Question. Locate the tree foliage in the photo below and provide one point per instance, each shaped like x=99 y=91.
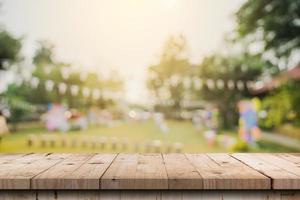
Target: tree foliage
x=243 y=68
x=276 y=23
x=173 y=64
x=9 y=49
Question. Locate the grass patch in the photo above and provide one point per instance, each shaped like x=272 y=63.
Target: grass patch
x=135 y=133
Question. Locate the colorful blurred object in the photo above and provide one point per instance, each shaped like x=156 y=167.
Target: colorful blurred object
x=56 y=119
x=248 y=122
x=3 y=125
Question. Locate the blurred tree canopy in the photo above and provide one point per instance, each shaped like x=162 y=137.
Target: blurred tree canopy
x=275 y=23
x=26 y=101
x=165 y=77
x=44 y=53
x=47 y=68
x=241 y=68
x=9 y=48
x=267 y=34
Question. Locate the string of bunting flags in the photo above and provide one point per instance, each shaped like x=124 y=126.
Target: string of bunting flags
x=74 y=89
x=188 y=82
x=96 y=93
x=212 y=84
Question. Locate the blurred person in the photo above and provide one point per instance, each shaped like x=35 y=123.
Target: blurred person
x=197 y=121
x=3 y=125
x=210 y=136
x=248 y=122
x=55 y=118
x=159 y=119
x=93 y=115
x=76 y=120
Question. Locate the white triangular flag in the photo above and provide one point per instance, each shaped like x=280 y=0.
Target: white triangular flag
x=240 y=85
x=230 y=84
x=62 y=88
x=96 y=94
x=83 y=76
x=86 y=91
x=220 y=84
x=198 y=83
x=187 y=82
x=19 y=81
x=174 y=81
x=74 y=90
x=210 y=84
x=34 y=82
x=65 y=72
x=49 y=85
x=250 y=85
x=47 y=69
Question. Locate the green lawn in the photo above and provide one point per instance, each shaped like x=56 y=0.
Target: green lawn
x=136 y=133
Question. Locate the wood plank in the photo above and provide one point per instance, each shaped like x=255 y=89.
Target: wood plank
x=150 y=171
x=290 y=157
x=59 y=176
x=171 y=195
x=4 y=158
x=110 y=195
x=281 y=178
x=17 y=173
x=181 y=173
x=221 y=171
x=137 y=195
x=17 y=195
x=88 y=175
x=249 y=195
x=286 y=161
x=79 y=195
x=143 y=194
x=136 y=171
x=45 y=195
x=290 y=195
x=282 y=163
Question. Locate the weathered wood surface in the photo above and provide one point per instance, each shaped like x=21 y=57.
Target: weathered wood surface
x=148 y=194
x=150 y=171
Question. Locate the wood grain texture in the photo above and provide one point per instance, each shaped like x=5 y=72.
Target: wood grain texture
x=60 y=175
x=181 y=173
x=146 y=194
x=136 y=171
x=4 y=158
x=17 y=173
x=284 y=174
x=221 y=171
x=150 y=171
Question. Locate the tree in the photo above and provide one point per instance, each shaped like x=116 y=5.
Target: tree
x=9 y=49
x=238 y=68
x=165 y=78
x=47 y=68
x=44 y=54
x=274 y=23
x=15 y=97
x=9 y=54
x=278 y=111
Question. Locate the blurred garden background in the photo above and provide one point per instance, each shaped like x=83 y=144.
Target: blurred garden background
x=150 y=76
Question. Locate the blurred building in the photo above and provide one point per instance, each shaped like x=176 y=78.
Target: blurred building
x=277 y=81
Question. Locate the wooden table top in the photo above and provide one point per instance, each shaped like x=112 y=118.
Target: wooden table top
x=150 y=171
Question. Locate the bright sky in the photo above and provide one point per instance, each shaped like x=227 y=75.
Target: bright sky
x=122 y=35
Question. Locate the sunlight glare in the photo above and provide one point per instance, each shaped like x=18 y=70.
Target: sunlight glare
x=170 y=3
